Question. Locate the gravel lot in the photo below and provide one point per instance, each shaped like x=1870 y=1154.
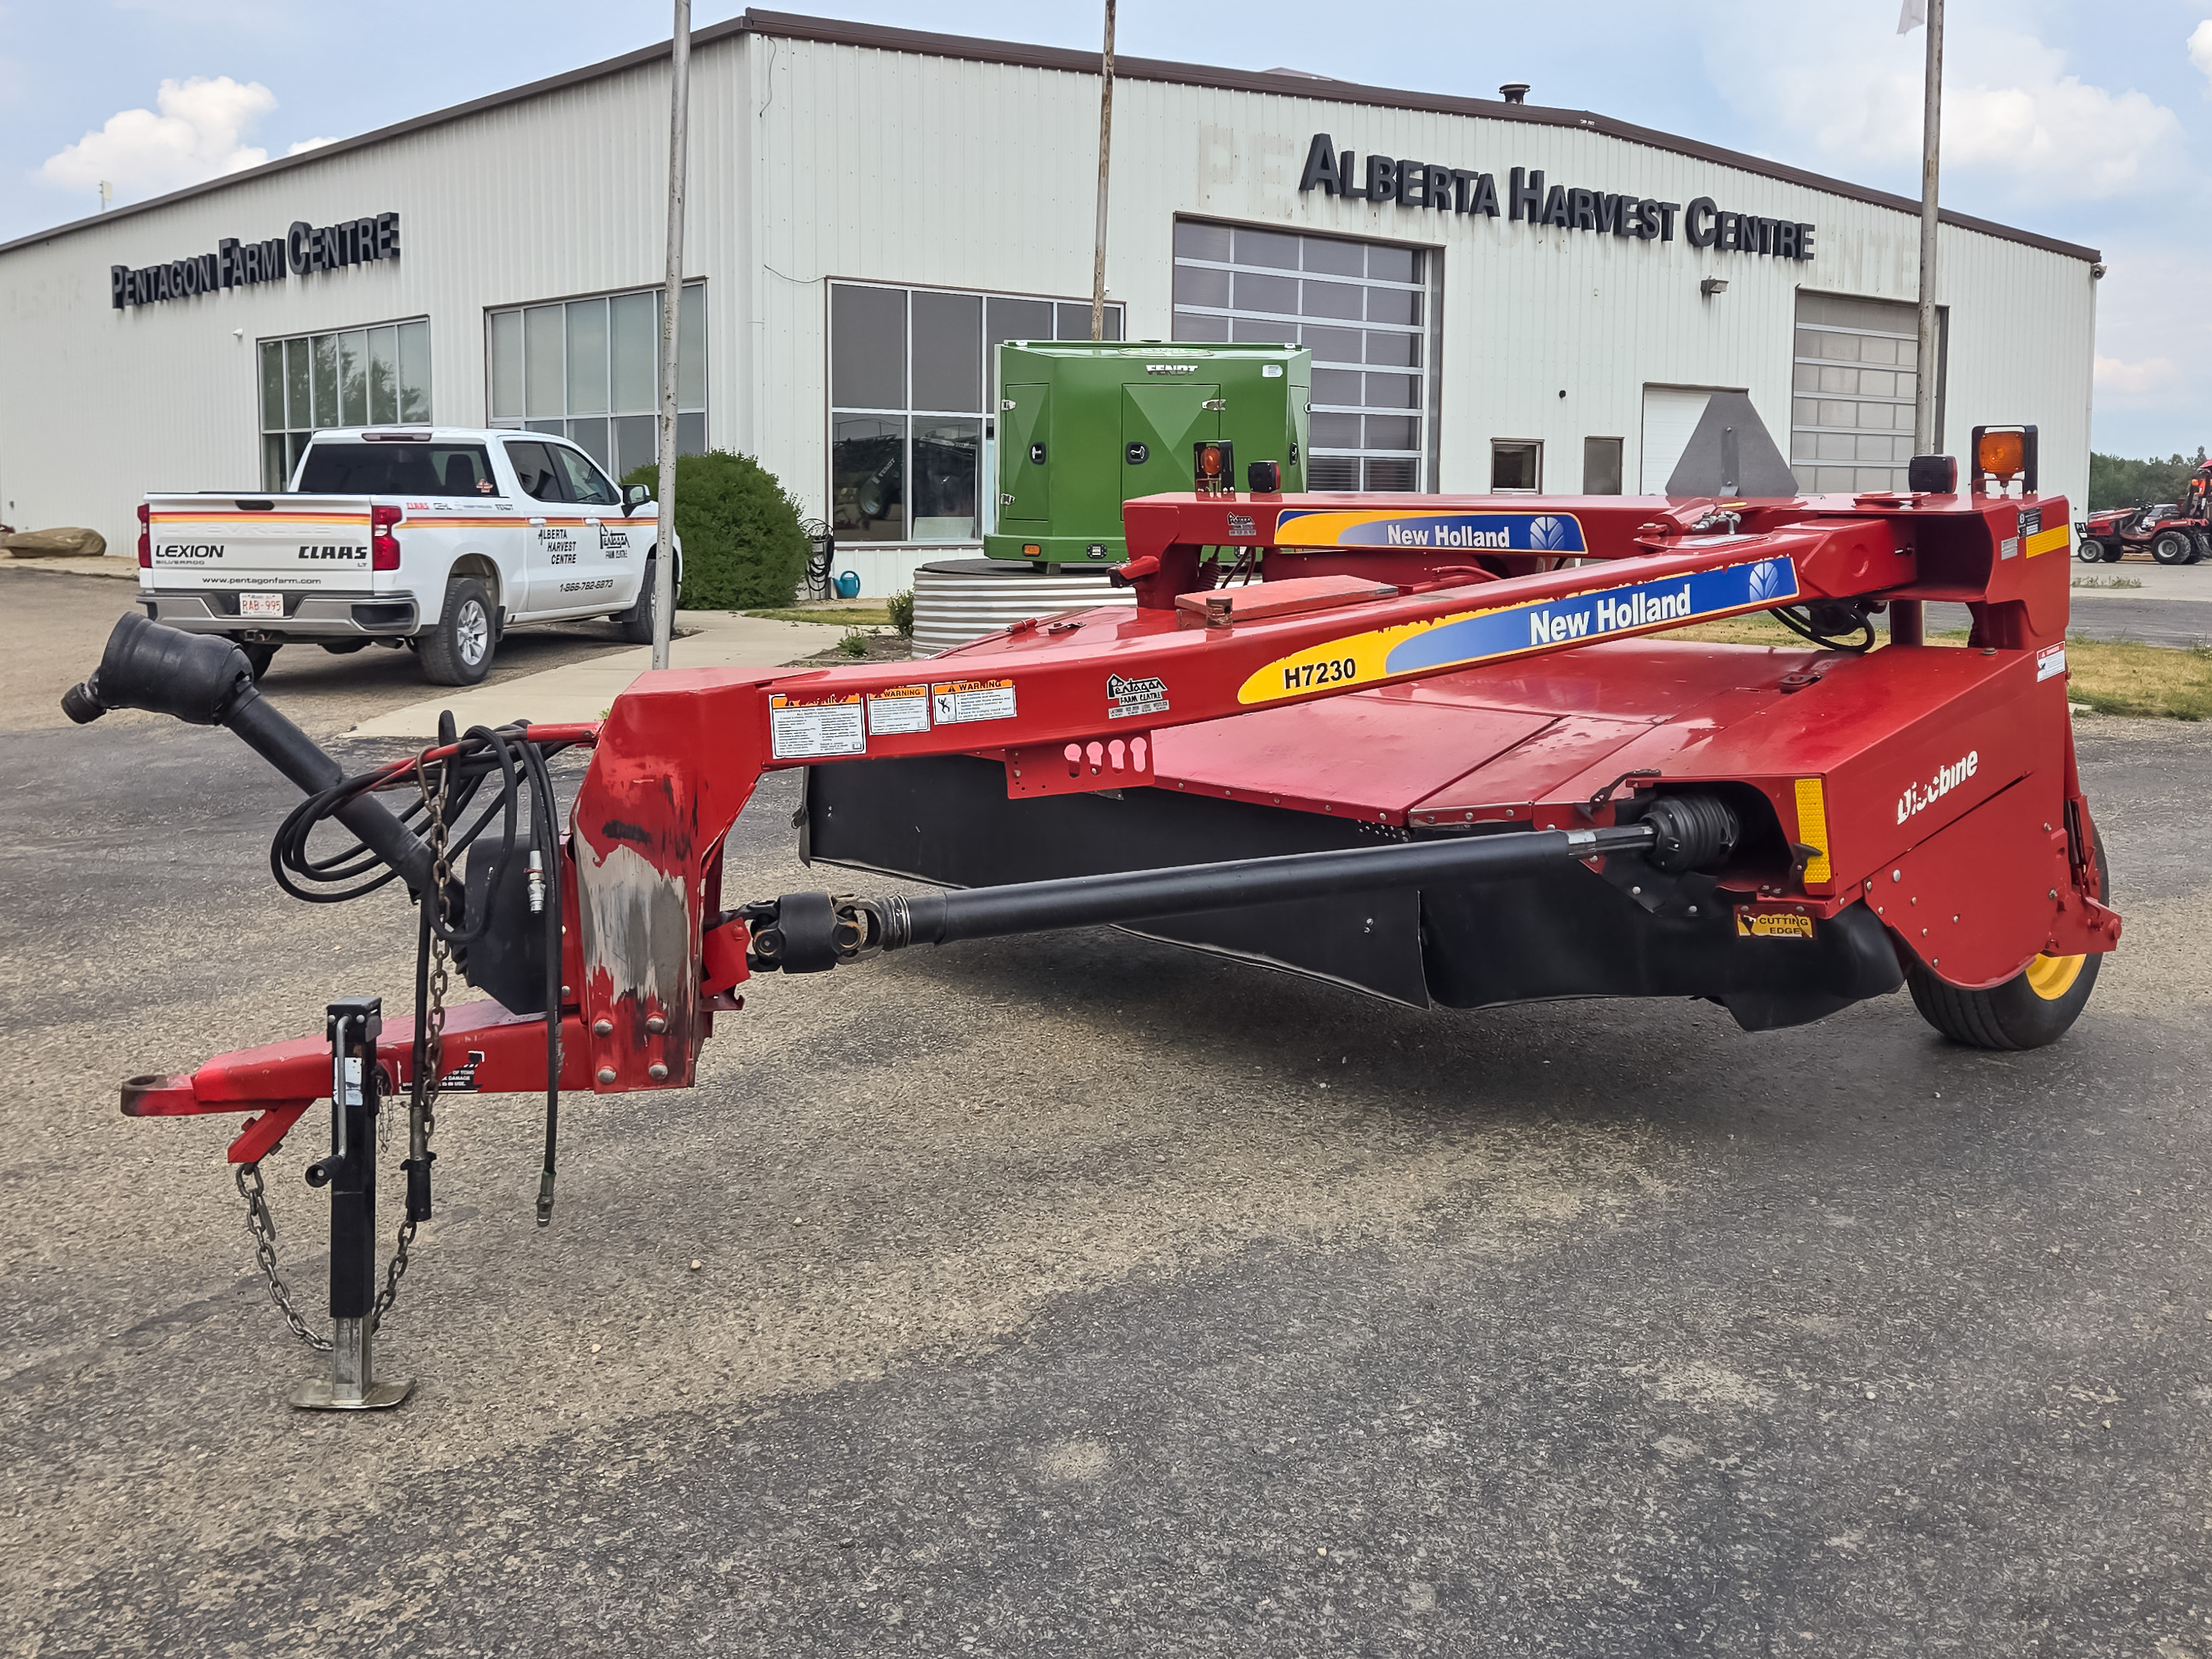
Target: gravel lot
x=1078 y=1295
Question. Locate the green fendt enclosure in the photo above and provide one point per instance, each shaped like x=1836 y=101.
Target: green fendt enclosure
x=1085 y=425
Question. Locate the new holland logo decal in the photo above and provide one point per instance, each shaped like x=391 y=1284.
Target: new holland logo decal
x=1513 y=630
x=1504 y=532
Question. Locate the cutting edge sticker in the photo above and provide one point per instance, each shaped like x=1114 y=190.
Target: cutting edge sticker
x=956 y=702
x=1501 y=532
x=1466 y=638
x=2049 y=662
x=813 y=729
x=900 y=711
x=1752 y=922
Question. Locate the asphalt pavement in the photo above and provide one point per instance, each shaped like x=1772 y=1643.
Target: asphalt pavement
x=1079 y=1295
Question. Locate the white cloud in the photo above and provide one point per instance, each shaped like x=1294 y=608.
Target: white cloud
x=200 y=133
x=307 y=144
x=2117 y=379
x=2200 y=46
x=2011 y=109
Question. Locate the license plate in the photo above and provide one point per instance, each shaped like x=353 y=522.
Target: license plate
x=261 y=604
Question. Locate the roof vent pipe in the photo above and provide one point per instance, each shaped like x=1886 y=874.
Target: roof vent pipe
x=1515 y=92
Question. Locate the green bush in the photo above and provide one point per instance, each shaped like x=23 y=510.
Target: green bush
x=742 y=543
x=901 y=607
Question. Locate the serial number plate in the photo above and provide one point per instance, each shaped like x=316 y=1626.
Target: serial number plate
x=261 y=604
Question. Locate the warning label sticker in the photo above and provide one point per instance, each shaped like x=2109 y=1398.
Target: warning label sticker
x=2049 y=662
x=1771 y=924
x=804 y=730
x=902 y=708
x=957 y=701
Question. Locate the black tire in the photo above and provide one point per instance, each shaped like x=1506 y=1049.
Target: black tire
x=2174 y=547
x=2112 y=552
x=259 y=656
x=457 y=649
x=2037 y=1006
x=2203 y=541
x=635 y=625
x=344 y=647
x=2090 y=550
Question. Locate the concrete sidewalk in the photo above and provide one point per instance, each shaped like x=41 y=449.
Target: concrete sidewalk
x=584 y=690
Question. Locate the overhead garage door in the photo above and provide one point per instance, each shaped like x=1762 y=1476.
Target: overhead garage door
x=1670 y=416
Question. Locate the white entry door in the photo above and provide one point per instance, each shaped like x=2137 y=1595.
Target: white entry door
x=1671 y=414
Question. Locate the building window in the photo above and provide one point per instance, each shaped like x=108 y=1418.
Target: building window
x=910 y=383
x=1363 y=310
x=1516 y=464
x=590 y=370
x=1601 y=466
x=374 y=376
x=1853 y=382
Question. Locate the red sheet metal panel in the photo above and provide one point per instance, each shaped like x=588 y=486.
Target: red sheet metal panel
x=1969 y=902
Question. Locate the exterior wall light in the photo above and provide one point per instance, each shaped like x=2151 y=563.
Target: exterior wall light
x=1712 y=285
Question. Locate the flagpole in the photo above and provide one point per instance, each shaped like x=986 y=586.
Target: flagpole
x=1924 y=436
x=672 y=309
x=1105 y=157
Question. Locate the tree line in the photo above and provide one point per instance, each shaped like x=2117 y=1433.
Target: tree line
x=2116 y=481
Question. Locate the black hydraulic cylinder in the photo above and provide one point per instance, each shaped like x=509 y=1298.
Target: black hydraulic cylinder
x=1146 y=895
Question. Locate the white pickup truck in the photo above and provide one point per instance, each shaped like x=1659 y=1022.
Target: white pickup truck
x=437 y=539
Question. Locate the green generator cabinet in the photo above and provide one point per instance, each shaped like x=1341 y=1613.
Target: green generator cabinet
x=1085 y=425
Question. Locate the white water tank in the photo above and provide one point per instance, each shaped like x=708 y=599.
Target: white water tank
x=957 y=601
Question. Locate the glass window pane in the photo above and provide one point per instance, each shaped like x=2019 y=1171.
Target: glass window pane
x=325 y=358
x=1332 y=472
x=1335 y=431
x=1393 y=391
x=1395 y=348
x=272 y=386
x=1201 y=241
x=948 y=351
x=635 y=439
x=353 y=378
x=1330 y=345
x=273 y=477
x=1332 y=299
x=1398 y=474
x=1601 y=466
x=558 y=428
x=868 y=346
x=1512 y=466
x=1192 y=326
x=1267 y=293
x=691 y=432
x=1335 y=386
x=945 y=458
x=633 y=348
x=1017 y=320
x=1267 y=247
x=587 y=485
x=1113 y=329
x=691 y=346
x=1393 y=304
x=1338 y=258
x=1392 y=265
x=534 y=470
x=587 y=357
x=867 y=478
x=1265 y=331
x=590 y=435
x=413 y=371
x=384 y=376
x=1195 y=285
x=1074 y=324
x=543 y=384
x=506 y=403
x=1391 y=432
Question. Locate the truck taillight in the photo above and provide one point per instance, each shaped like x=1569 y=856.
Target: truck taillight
x=145 y=538
x=383 y=545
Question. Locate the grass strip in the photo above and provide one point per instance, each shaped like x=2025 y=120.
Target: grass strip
x=862 y=616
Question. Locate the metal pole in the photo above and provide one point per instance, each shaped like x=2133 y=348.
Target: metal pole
x=1931 y=120
x=672 y=305
x=1105 y=159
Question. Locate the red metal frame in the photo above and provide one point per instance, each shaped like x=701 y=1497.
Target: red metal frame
x=1890 y=771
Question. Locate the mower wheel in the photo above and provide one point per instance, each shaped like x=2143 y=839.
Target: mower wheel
x=2174 y=547
x=2089 y=550
x=2112 y=552
x=2036 y=1006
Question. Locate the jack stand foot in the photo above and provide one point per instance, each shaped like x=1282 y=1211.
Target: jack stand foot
x=351 y=1385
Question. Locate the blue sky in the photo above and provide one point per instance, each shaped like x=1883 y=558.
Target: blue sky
x=2086 y=121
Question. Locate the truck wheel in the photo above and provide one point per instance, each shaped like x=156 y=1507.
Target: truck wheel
x=2174 y=547
x=456 y=649
x=2034 y=1007
x=636 y=624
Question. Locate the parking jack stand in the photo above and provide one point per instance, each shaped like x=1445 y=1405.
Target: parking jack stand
x=350 y=1171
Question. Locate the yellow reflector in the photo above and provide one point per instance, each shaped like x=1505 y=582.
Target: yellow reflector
x=2004 y=453
x=1813 y=828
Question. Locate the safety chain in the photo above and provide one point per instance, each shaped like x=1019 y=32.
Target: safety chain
x=259 y=1222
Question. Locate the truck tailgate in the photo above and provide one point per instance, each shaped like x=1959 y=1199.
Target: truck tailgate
x=289 y=542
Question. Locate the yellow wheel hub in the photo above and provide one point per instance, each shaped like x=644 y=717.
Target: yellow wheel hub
x=2052 y=977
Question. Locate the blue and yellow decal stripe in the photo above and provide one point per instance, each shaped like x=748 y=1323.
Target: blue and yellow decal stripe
x=1431 y=531
x=1514 y=630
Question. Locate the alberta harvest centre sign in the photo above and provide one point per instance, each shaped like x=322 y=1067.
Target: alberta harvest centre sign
x=303 y=249
x=1416 y=183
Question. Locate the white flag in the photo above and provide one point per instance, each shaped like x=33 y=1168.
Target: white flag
x=1911 y=15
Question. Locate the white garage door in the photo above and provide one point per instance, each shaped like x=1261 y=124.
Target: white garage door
x=1670 y=416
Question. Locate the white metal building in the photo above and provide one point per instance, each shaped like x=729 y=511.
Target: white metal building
x=1497 y=295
